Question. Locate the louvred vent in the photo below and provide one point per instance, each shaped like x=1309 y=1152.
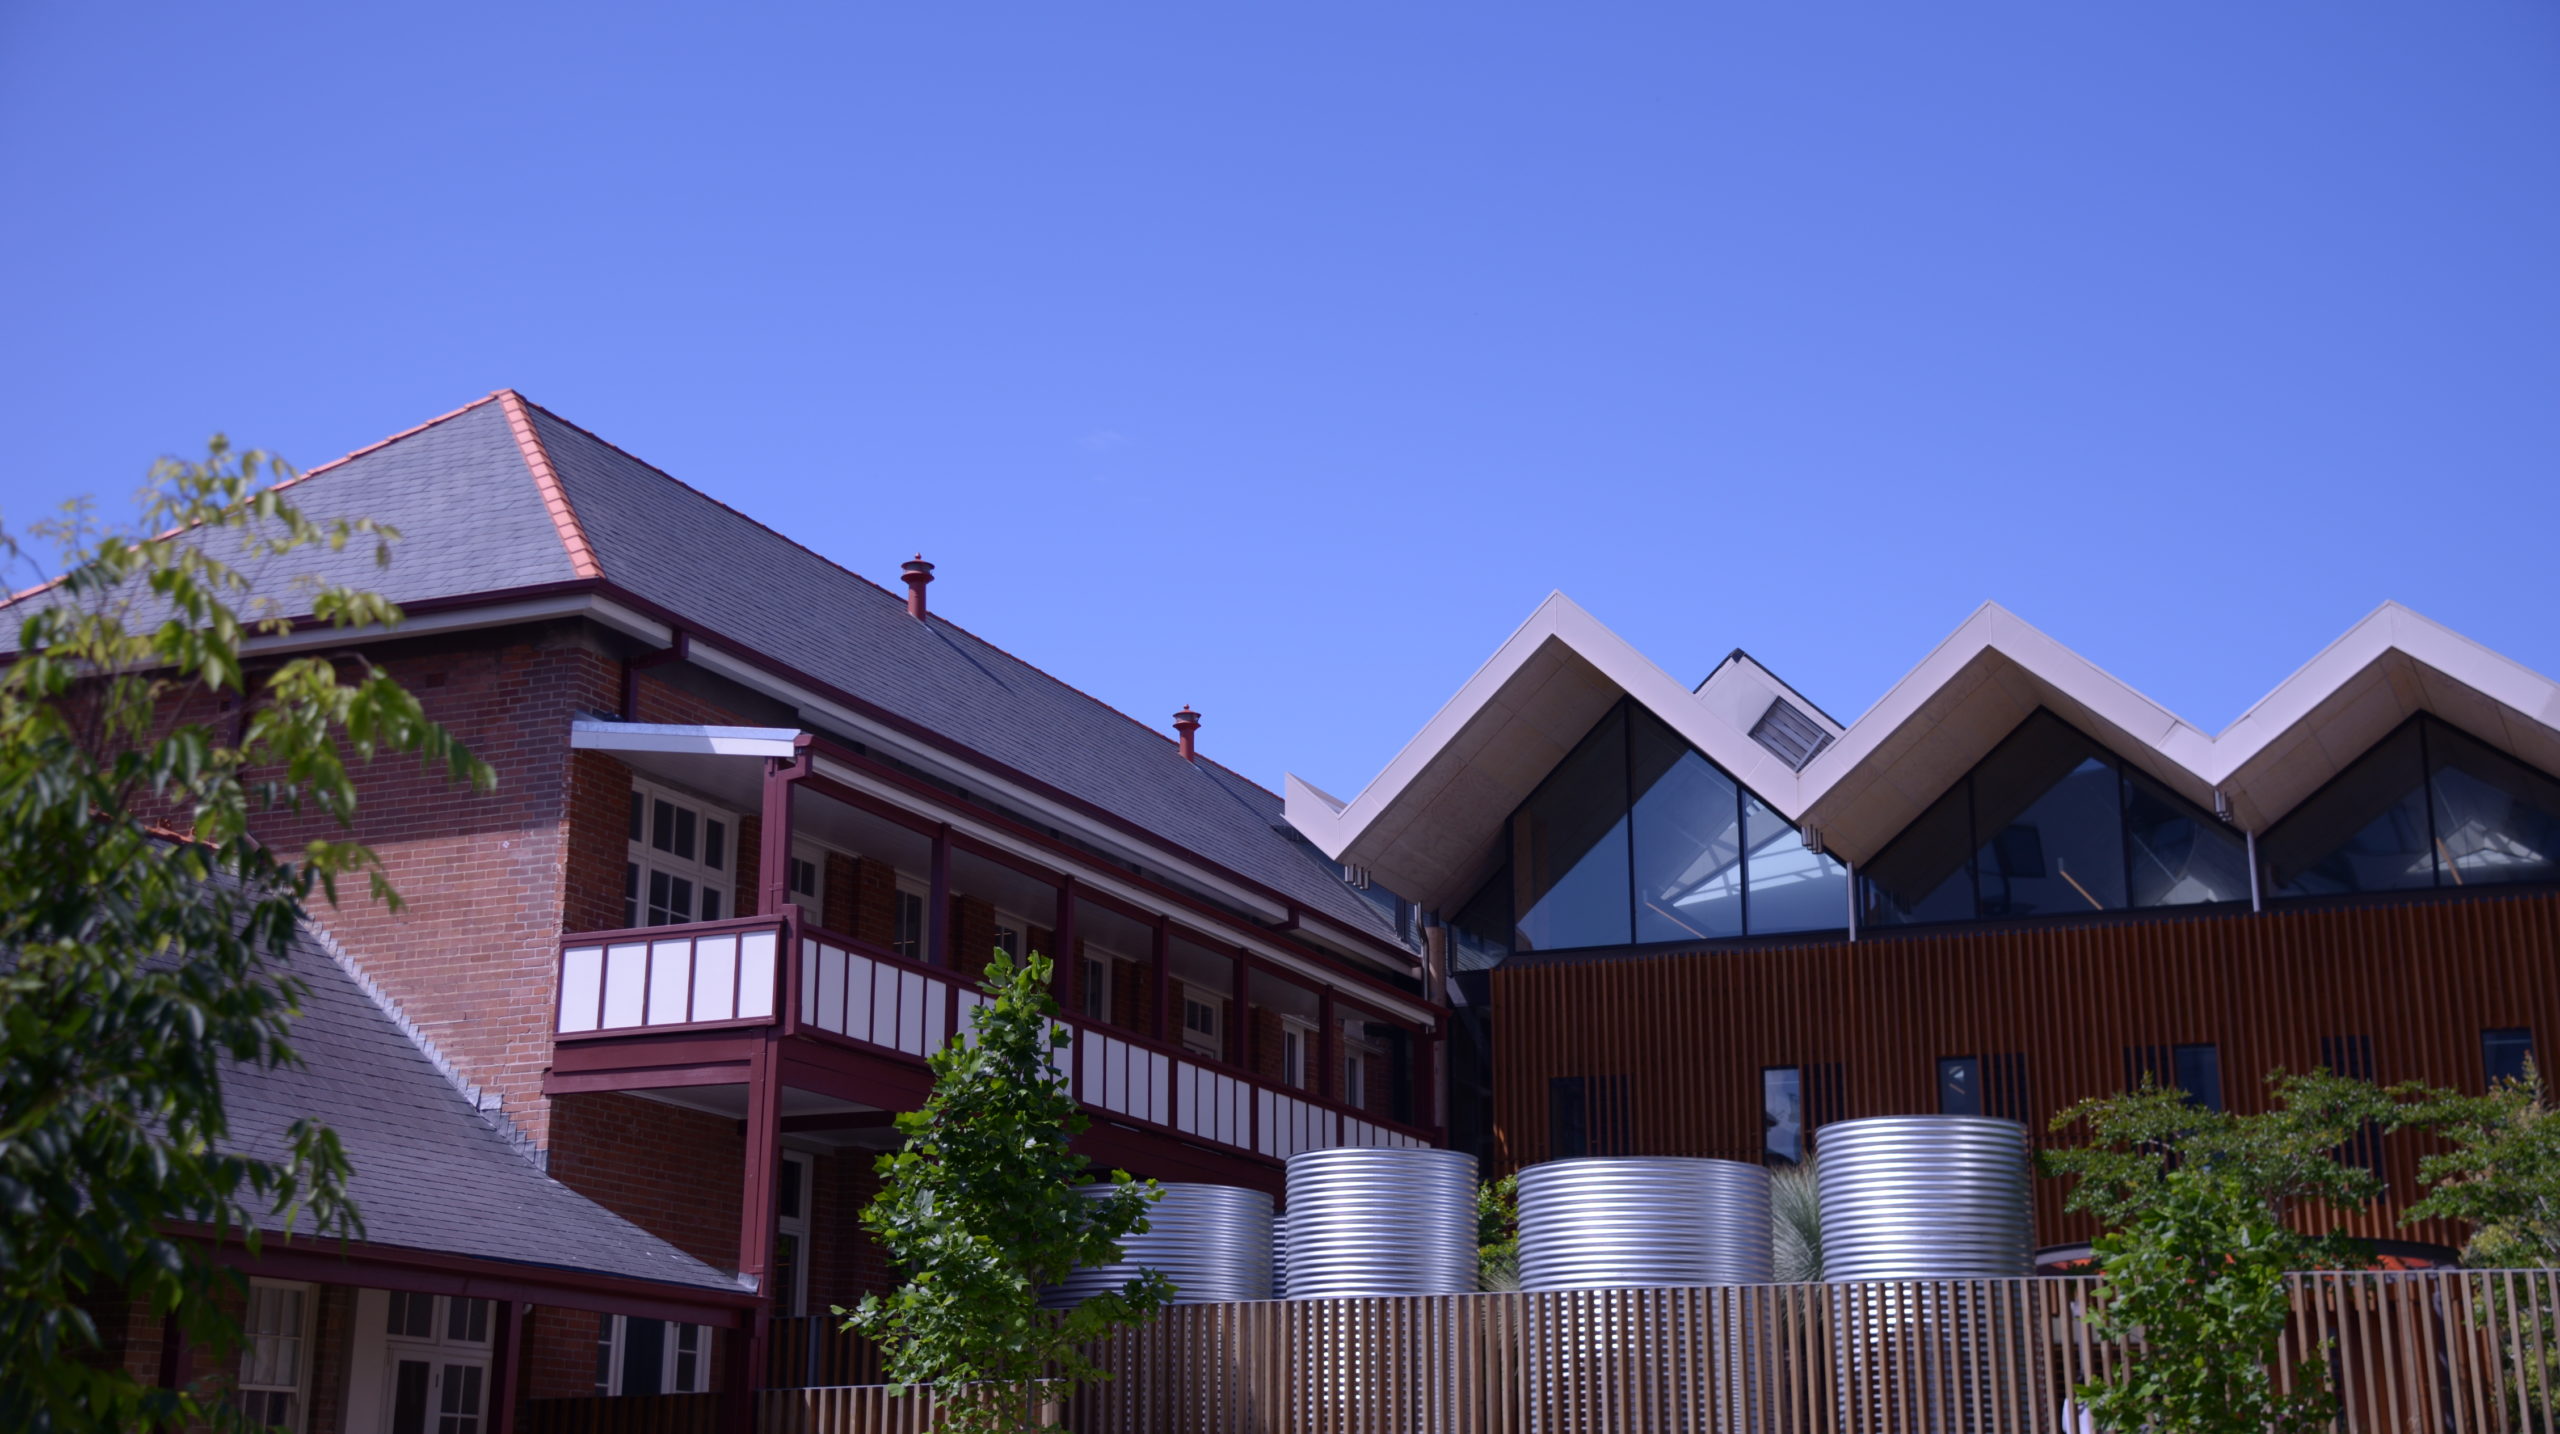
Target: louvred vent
x=1790 y=734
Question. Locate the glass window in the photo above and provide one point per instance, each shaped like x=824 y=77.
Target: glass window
x=1568 y=1118
x=271 y=1347
x=1924 y=875
x=909 y=941
x=2496 y=820
x=2047 y=812
x=1569 y=847
x=2177 y=855
x=1688 y=838
x=2379 y=804
x=2199 y=1072
x=1782 y=1115
x=1792 y=888
x=1480 y=934
x=2505 y=1053
x=1959 y=1086
x=1096 y=989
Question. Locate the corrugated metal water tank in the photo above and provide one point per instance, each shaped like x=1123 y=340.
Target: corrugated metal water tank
x=1379 y=1221
x=1612 y=1222
x=1918 y=1197
x=1212 y=1241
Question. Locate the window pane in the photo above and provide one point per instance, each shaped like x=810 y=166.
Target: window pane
x=1568 y=1118
x=1959 y=1086
x=662 y=825
x=910 y=928
x=684 y=832
x=1688 y=841
x=1926 y=874
x=1480 y=934
x=715 y=844
x=710 y=903
x=644 y=1354
x=1792 y=889
x=661 y=894
x=2048 y=811
x=2505 y=1053
x=786 y=1272
x=631 y=893
x=2497 y=820
x=1569 y=848
x=467 y=1321
x=604 y=1354
x=679 y=900
x=2365 y=831
x=2179 y=855
x=1782 y=1115
x=2200 y=1075
x=639 y=805
x=787 y=1191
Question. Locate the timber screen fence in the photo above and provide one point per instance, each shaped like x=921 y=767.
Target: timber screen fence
x=2431 y=1352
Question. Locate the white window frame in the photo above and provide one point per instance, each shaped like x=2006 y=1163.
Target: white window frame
x=440 y=1351
x=1212 y=1042
x=909 y=887
x=1297 y=1051
x=1355 y=1078
x=795 y=1300
x=812 y=898
x=1010 y=925
x=614 y=1333
x=251 y=1347
x=1094 y=983
x=642 y=858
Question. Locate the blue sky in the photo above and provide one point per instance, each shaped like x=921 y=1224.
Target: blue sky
x=1279 y=359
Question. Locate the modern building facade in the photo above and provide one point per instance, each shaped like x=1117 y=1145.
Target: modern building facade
x=759 y=825
x=1711 y=921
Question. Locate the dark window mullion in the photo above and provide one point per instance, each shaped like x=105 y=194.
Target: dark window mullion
x=1627 y=805
x=2427 y=794
x=1973 y=843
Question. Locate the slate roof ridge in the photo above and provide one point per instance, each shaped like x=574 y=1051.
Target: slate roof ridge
x=884 y=591
x=555 y=498
x=343 y=458
x=488 y=1104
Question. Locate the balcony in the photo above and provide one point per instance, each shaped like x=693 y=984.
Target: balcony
x=686 y=1005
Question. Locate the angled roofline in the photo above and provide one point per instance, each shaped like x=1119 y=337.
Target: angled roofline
x=555 y=499
x=1939 y=718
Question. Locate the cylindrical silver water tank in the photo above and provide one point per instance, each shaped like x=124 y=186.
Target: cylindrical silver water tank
x=1605 y=1223
x=1923 y=1197
x=1377 y=1221
x=1212 y=1241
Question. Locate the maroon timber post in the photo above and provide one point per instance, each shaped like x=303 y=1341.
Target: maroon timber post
x=506 y=1367
x=773 y=850
x=756 y=1228
x=1324 y=1042
x=1163 y=978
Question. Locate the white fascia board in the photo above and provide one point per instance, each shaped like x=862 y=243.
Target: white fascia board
x=829 y=714
x=1103 y=880
x=588 y=735
x=1334 y=826
x=465 y=619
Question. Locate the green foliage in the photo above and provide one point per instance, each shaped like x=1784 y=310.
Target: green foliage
x=1498 y=1234
x=984 y=1206
x=2197 y=1246
x=2501 y=1176
x=1795 y=1210
x=137 y=965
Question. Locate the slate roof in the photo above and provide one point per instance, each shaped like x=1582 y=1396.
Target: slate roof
x=430 y=1173
x=478 y=513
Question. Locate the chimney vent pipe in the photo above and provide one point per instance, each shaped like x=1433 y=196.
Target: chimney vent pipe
x=918 y=573
x=1185 y=723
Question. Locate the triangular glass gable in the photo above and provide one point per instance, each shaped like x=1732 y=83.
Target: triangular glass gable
x=2428 y=806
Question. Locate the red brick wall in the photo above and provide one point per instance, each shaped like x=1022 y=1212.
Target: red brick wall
x=875 y=902
x=750 y=865
x=837 y=898
x=471 y=957
x=973 y=935
x=598 y=842
x=1269 y=1061
x=675 y=1173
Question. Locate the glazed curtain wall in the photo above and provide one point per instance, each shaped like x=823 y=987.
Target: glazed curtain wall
x=1636 y=837
x=2433 y=990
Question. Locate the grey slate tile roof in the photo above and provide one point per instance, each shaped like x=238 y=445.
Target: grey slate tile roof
x=430 y=1173
x=682 y=550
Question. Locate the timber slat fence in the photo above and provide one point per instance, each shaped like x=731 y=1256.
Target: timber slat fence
x=2428 y=1352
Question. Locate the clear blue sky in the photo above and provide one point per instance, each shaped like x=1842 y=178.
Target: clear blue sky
x=1280 y=358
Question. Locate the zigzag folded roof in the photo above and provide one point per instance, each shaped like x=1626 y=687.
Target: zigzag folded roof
x=1429 y=825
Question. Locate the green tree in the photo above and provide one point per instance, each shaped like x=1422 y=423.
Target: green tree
x=1498 y=1234
x=2195 y=1205
x=984 y=1206
x=2501 y=1176
x=139 y=917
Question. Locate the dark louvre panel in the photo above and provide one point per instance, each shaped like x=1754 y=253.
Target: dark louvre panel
x=1789 y=733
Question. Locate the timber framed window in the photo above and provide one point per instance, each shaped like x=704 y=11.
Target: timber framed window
x=649 y=1356
x=1202 y=1030
x=680 y=863
x=275 y=1354
x=438 y=1348
x=794 y=1179
x=909 y=939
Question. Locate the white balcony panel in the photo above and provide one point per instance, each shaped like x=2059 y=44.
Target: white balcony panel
x=626 y=974
x=808 y=981
x=715 y=978
x=861 y=974
x=828 y=1013
x=884 y=1006
x=755 y=975
x=937 y=1002
x=1268 y=1142
x=1089 y=1078
x=1159 y=1085
x=581 y=987
x=670 y=981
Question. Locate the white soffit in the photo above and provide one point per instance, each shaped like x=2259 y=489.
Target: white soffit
x=1428 y=822
x=593 y=736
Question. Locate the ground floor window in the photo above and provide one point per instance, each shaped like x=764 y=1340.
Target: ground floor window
x=275 y=1339
x=649 y=1356
x=436 y=1354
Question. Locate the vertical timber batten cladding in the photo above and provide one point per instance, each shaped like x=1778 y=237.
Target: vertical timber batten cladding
x=1692 y=1031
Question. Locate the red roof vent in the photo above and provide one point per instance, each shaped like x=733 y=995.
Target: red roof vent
x=1185 y=723
x=919 y=572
